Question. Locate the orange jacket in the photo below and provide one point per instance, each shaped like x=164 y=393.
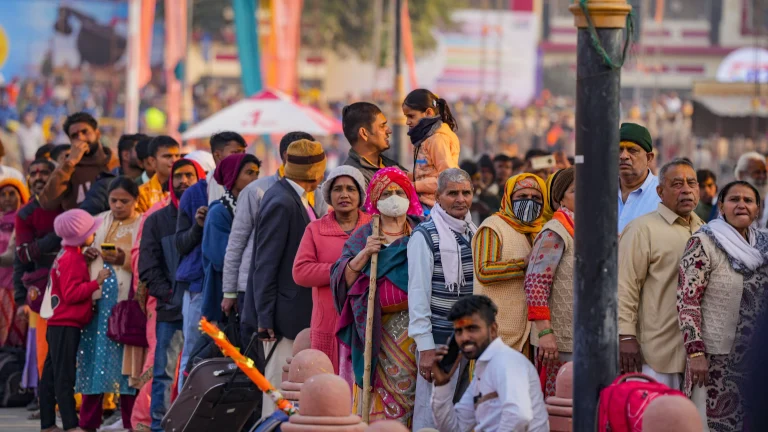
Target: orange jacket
x=436 y=154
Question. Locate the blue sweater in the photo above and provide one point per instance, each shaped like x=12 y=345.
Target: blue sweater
x=189 y=238
x=218 y=225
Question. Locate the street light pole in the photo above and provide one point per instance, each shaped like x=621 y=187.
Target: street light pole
x=398 y=93
x=597 y=181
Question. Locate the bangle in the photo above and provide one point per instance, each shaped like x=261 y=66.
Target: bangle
x=546 y=332
x=696 y=354
x=627 y=338
x=350 y=267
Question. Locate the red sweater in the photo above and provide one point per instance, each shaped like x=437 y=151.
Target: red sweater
x=71 y=290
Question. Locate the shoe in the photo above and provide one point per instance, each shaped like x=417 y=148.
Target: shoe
x=34 y=415
x=34 y=405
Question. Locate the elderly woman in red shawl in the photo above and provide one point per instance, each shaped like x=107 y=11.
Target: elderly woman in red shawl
x=393 y=376
x=13 y=194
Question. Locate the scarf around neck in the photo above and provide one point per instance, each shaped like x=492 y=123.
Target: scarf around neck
x=565 y=217
x=450 y=251
x=743 y=254
x=230 y=202
x=424 y=129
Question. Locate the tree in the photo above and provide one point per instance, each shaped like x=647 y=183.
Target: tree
x=346 y=26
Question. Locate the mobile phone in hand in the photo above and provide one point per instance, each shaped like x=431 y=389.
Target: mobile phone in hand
x=108 y=247
x=446 y=364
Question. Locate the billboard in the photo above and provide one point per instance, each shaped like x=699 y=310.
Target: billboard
x=40 y=37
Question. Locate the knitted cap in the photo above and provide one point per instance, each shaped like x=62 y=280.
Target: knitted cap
x=340 y=171
x=75 y=226
x=23 y=191
x=305 y=160
x=561 y=183
x=637 y=134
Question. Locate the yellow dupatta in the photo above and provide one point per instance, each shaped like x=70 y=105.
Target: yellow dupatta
x=506 y=213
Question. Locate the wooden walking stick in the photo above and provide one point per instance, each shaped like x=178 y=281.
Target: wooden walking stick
x=367 y=357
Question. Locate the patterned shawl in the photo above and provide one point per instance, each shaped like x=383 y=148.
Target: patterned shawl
x=352 y=302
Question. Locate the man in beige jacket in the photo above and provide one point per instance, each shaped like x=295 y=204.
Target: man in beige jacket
x=650 y=249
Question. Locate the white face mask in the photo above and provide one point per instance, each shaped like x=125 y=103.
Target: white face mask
x=393 y=206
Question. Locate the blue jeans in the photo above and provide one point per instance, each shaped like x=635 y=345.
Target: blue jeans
x=192 y=308
x=169 y=344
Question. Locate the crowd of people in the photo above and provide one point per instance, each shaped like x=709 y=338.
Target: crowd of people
x=477 y=254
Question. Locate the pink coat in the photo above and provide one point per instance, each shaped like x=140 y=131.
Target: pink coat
x=319 y=250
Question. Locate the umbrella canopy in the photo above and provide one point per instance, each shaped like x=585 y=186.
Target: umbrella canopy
x=265 y=113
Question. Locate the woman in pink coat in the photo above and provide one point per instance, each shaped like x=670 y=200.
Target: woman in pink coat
x=320 y=248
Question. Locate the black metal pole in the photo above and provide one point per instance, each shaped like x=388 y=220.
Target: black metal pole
x=397 y=92
x=596 y=236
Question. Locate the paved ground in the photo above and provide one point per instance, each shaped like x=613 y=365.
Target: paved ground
x=15 y=420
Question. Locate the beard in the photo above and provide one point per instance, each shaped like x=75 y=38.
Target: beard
x=93 y=147
x=179 y=192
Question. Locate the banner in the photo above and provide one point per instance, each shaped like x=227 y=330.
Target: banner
x=246 y=32
x=493 y=53
x=279 y=38
x=66 y=38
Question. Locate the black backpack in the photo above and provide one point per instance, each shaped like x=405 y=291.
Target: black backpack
x=11 y=370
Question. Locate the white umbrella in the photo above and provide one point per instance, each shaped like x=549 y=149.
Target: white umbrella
x=265 y=113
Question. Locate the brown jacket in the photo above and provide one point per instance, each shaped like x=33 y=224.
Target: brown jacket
x=68 y=184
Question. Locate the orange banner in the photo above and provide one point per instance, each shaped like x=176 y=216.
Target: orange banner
x=279 y=32
x=146 y=30
x=405 y=19
x=175 y=51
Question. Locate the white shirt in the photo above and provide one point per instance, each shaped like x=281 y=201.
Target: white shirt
x=300 y=192
x=215 y=190
x=519 y=406
x=30 y=139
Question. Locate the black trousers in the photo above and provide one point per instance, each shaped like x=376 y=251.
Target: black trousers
x=256 y=353
x=57 y=385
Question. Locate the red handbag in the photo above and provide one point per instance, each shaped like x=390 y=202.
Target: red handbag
x=127 y=323
x=623 y=403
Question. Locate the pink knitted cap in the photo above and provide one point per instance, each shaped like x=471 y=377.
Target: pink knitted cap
x=74 y=226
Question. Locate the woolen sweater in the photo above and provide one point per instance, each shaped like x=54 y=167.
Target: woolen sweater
x=71 y=290
x=508 y=295
x=319 y=250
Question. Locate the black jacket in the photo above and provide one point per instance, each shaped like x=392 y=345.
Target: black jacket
x=158 y=260
x=280 y=303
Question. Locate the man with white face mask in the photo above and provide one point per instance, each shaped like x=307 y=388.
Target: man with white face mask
x=440 y=273
x=751 y=168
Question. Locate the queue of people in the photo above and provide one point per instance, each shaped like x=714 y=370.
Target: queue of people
x=203 y=236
